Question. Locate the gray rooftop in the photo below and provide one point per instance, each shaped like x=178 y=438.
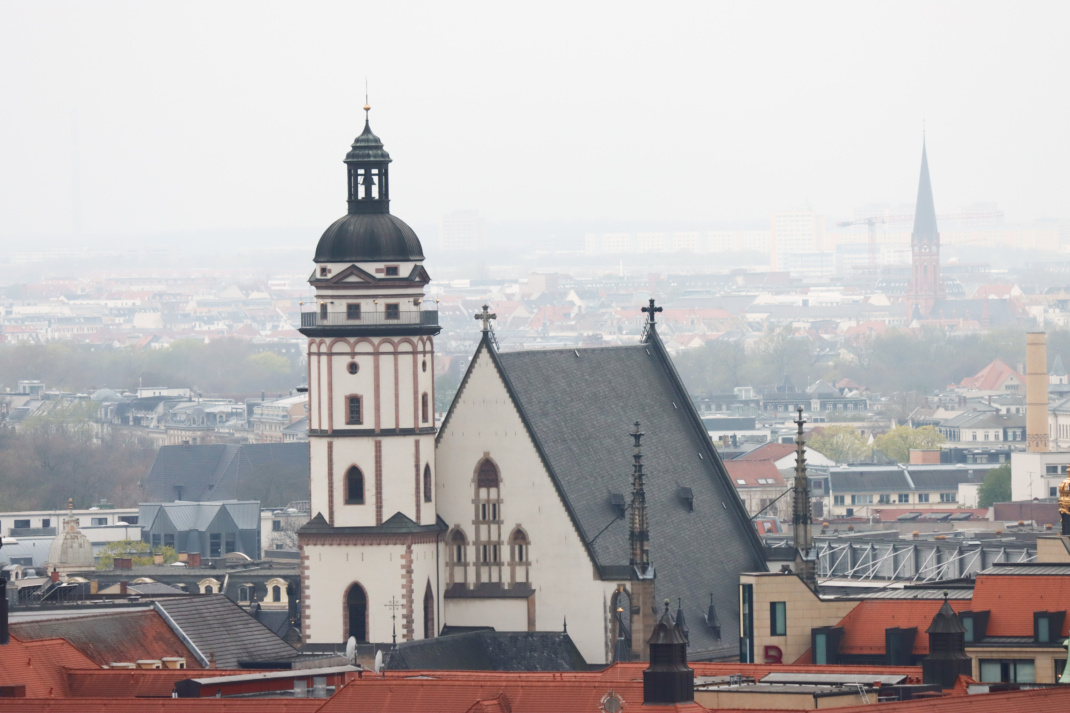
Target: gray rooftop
x=218 y=627
x=580 y=406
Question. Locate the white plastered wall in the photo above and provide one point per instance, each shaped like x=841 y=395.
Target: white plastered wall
x=484 y=420
x=332 y=569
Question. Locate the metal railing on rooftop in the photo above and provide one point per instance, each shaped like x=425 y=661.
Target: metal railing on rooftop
x=425 y=318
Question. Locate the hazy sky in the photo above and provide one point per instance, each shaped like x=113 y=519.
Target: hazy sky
x=236 y=115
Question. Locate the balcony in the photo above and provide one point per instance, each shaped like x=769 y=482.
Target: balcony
x=426 y=320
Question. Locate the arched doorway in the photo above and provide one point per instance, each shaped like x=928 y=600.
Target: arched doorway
x=429 y=612
x=357 y=612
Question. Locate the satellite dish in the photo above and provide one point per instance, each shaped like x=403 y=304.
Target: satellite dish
x=378 y=661
x=351 y=650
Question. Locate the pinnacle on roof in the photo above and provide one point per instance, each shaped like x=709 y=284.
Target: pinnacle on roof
x=946 y=621
x=1057 y=368
x=924 y=209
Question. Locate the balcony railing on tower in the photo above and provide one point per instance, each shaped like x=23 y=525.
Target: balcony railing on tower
x=424 y=318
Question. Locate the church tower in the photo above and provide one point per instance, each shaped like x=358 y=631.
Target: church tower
x=368 y=554
x=925 y=284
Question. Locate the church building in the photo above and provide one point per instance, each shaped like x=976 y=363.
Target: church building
x=566 y=488
x=926 y=287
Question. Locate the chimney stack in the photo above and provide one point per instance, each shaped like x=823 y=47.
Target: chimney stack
x=1036 y=392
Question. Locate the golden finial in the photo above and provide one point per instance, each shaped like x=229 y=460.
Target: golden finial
x=70 y=503
x=367 y=106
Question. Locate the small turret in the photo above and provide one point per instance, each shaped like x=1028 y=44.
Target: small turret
x=668 y=679
x=947 y=658
x=802 y=517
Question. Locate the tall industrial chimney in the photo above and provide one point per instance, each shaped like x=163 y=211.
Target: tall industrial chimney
x=1036 y=392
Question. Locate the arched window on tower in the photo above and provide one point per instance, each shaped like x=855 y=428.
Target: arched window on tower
x=456 y=556
x=354 y=486
x=427 y=483
x=423 y=408
x=519 y=556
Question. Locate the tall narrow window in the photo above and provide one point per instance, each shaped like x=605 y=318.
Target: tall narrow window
x=423 y=408
x=354 y=486
x=323 y=311
x=353 y=410
x=778 y=619
x=427 y=483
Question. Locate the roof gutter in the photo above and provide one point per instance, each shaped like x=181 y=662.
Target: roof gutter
x=201 y=658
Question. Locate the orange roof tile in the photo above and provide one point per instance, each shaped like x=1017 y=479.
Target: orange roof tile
x=136 y=683
x=1041 y=700
x=1012 y=601
x=770 y=451
x=40 y=666
x=991 y=377
x=115 y=637
x=162 y=705
x=751 y=471
x=863 y=628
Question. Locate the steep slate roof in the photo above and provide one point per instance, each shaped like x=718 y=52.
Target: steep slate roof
x=579 y=406
x=114 y=637
x=199 y=516
x=491 y=651
x=224 y=472
x=216 y=625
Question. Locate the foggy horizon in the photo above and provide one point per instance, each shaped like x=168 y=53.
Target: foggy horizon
x=144 y=121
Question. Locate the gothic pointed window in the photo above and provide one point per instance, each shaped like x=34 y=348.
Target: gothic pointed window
x=429 y=611
x=519 y=556
x=354 y=486
x=488 y=522
x=423 y=408
x=427 y=483
x=457 y=556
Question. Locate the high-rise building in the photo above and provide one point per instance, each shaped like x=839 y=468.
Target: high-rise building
x=799 y=231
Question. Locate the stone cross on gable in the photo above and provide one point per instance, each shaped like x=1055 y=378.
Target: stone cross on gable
x=651 y=311
x=486 y=316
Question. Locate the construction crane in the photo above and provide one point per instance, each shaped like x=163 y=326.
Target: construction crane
x=871 y=223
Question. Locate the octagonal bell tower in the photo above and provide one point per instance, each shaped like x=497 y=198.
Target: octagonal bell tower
x=371 y=389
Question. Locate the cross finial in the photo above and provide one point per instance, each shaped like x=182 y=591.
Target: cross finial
x=486 y=315
x=367 y=106
x=651 y=311
x=393 y=605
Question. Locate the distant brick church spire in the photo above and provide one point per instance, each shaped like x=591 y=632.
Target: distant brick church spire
x=925 y=284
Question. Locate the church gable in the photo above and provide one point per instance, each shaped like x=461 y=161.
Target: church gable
x=580 y=406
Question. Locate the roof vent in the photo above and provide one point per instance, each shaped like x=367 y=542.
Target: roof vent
x=617 y=502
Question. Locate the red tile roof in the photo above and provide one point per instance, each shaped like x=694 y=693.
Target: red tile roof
x=41 y=666
x=1041 y=700
x=770 y=451
x=112 y=638
x=136 y=683
x=163 y=705
x=991 y=378
x=1012 y=601
x=750 y=471
x=863 y=628
x=892 y=514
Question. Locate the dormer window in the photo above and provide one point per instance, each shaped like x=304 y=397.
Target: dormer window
x=1048 y=627
x=391 y=271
